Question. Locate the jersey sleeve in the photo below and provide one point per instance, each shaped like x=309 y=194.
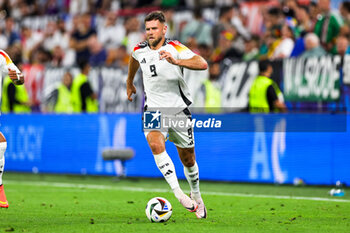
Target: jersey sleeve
x=8 y=64
x=183 y=51
x=134 y=54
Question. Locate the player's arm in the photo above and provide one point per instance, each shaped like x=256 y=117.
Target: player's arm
x=13 y=72
x=17 y=78
x=195 y=63
x=130 y=87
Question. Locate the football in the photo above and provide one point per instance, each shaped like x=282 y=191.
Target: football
x=158 y=209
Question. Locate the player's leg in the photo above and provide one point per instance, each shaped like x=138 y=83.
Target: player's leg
x=188 y=159
x=3 y=145
x=183 y=138
x=156 y=141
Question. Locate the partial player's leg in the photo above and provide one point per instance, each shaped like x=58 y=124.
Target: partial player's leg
x=191 y=171
x=183 y=138
x=3 y=145
x=156 y=141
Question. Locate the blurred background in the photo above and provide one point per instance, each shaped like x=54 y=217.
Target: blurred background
x=72 y=49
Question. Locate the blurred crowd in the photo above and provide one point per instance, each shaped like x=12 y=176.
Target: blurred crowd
x=62 y=32
x=66 y=33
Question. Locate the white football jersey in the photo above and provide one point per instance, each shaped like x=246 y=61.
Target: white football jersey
x=5 y=64
x=163 y=82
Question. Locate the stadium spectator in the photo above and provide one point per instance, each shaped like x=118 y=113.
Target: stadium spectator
x=344 y=10
x=314 y=12
x=286 y=43
x=251 y=49
x=12 y=36
x=265 y=95
x=173 y=26
x=132 y=34
x=50 y=39
x=118 y=57
x=56 y=35
x=197 y=29
x=209 y=96
x=56 y=41
x=225 y=49
x=312 y=46
x=98 y=54
x=31 y=41
x=205 y=51
x=272 y=35
x=3 y=41
x=289 y=8
x=111 y=33
x=238 y=21
x=328 y=25
x=60 y=100
x=83 y=97
x=223 y=24
x=57 y=57
x=78 y=7
x=15 y=98
x=273 y=22
x=305 y=24
x=80 y=37
x=342 y=45
x=52 y=7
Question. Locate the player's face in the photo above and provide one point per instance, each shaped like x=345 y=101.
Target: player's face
x=155 y=32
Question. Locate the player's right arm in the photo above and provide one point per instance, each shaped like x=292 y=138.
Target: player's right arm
x=130 y=87
x=11 y=69
x=17 y=78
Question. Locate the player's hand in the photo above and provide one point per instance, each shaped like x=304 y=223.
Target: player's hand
x=164 y=54
x=130 y=89
x=17 y=79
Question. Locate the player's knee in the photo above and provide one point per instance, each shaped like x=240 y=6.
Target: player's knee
x=2 y=138
x=156 y=148
x=190 y=162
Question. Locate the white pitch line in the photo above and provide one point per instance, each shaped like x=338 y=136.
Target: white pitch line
x=136 y=189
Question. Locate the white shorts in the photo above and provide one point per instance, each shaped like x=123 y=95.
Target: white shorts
x=181 y=135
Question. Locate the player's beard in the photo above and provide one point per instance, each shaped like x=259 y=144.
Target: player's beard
x=155 y=42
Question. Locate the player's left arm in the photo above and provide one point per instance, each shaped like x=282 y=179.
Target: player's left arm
x=194 y=63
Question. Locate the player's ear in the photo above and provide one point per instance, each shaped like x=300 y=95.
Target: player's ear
x=165 y=27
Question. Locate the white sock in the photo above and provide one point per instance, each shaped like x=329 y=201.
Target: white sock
x=167 y=168
x=192 y=176
x=3 y=146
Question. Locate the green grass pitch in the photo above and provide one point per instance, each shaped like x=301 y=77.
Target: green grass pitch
x=61 y=203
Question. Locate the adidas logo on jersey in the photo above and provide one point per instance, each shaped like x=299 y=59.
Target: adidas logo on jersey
x=143 y=60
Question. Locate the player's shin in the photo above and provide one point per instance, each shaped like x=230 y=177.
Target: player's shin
x=167 y=168
x=3 y=146
x=192 y=176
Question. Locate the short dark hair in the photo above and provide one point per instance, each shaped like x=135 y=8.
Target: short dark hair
x=274 y=11
x=155 y=15
x=224 y=9
x=82 y=63
x=264 y=65
x=346 y=6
